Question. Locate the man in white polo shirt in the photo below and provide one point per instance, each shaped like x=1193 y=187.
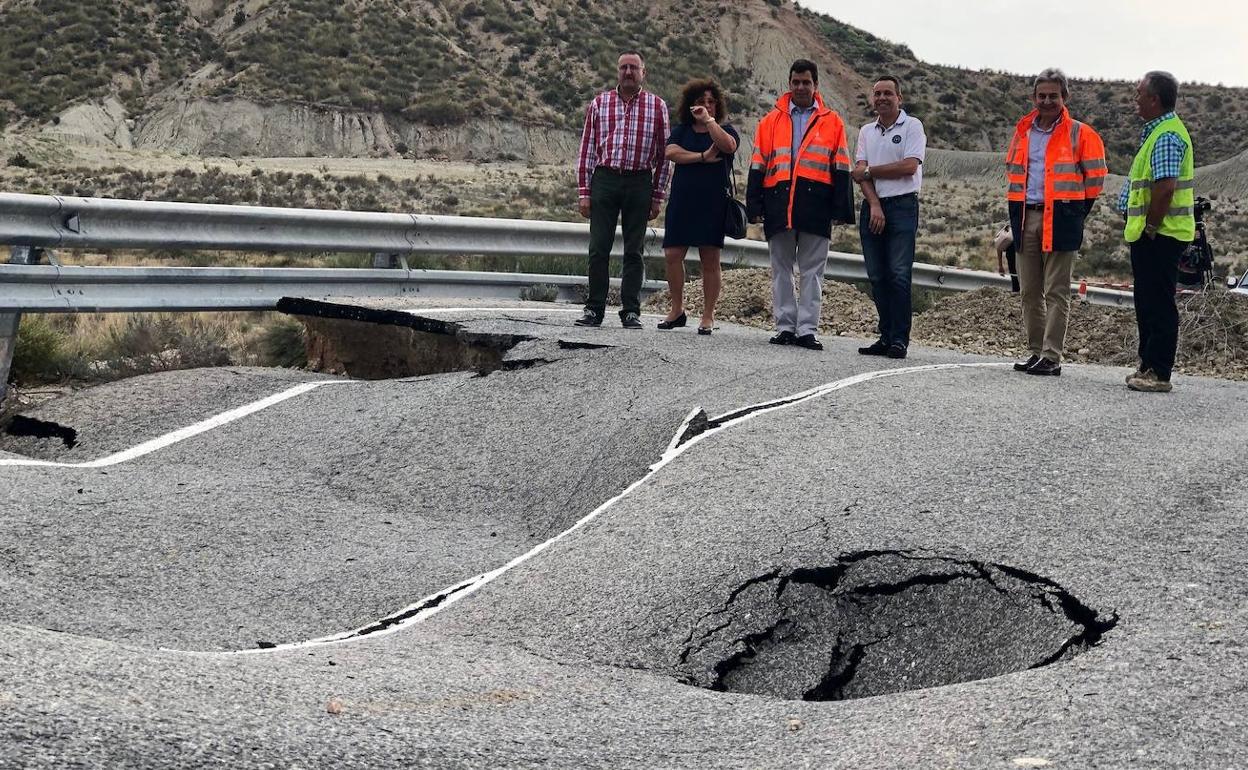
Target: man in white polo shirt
x=889 y=168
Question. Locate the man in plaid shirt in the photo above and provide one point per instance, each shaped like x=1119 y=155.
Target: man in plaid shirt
x=621 y=176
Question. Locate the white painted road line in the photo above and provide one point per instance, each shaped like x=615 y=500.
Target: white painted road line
x=182 y=434
x=435 y=603
x=147 y=447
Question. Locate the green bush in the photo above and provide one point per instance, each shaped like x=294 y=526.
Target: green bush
x=540 y=292
x=39 y=355
x=439 y=111
x=283 y=344
x=158 y=342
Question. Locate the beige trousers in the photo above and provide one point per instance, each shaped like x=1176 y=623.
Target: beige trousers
x=1044 y=283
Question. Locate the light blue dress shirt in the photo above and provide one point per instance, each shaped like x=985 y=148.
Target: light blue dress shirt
x=801 y=119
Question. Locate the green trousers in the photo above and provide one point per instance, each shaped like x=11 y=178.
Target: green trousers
x=624 y=198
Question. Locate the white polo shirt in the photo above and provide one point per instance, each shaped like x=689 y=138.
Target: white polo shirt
x=904 y=139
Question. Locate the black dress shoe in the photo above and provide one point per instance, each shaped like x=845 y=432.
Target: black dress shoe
x=675 y=323
x=589 y=318
x=1023 y=366
x=877 y=348
x=808 y=341
x=1046 y=368
x=630 y=321
x=783 y=338
x=896 y=351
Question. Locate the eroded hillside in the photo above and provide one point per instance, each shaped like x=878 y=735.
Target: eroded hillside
x=479 y=78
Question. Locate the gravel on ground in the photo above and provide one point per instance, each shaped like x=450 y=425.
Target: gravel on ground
x=1213 y=325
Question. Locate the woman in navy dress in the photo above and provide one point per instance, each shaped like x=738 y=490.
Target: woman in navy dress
x=702 y=150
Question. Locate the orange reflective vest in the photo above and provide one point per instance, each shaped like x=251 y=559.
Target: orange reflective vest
x=1074 y=172
x=806 y=189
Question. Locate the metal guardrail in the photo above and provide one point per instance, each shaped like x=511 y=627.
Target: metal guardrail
x=98 y=223
x=61 y=289
x=31 y=222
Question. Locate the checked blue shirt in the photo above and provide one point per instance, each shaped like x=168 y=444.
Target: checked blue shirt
x=1167 y=156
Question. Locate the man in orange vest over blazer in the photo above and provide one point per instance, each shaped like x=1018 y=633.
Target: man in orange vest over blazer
x=799 y=185
x=1055 y=168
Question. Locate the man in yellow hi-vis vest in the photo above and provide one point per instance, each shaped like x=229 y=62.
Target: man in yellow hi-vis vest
x=1158 y=203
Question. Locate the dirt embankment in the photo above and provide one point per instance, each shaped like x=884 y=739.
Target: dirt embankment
x=1213 y=330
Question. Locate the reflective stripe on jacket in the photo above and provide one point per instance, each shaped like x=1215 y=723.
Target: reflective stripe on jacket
x=807 y=190
x=1074 y=174
x=1180 y=221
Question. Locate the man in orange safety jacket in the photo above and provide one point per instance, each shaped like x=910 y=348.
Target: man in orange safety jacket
x=1055 y=168
x=799 y=185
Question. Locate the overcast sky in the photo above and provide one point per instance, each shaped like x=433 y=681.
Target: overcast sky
x=1205 y=41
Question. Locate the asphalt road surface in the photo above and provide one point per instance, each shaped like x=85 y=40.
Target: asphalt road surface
x=632 y=549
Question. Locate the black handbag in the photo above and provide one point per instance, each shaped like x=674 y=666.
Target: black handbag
x=735 y=219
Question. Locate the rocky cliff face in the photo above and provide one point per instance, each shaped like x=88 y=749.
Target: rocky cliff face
x=95 y=124
x=240 y=128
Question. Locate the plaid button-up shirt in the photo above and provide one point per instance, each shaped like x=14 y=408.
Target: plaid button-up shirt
x=1166 y=158
x=626 y=136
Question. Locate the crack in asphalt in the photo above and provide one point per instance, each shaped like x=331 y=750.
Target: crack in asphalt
x=682 y=440
x=727 y=605
x=512 y=365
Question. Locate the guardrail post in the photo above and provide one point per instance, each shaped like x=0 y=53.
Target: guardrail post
x=389 y=261
x=21 y=255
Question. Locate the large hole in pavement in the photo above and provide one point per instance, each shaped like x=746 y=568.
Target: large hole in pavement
x=31 y=427
x=880 y=622
x=376 y=344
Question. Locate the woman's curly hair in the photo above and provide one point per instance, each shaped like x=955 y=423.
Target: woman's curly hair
x=692 y=91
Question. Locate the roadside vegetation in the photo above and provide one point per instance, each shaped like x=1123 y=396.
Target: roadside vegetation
x=58 y=53
x=444 y=63
x=98 y=347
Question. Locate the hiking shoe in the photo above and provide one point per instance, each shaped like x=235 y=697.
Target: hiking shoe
x=808 y=341
x=783 y=338
x=1023 y=366
x=1046 y=368
x=630 y=320
x=1138 y=372
x=589 y=318
x=1148 y=382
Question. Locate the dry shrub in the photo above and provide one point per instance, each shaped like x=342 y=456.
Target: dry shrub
x=283 y=343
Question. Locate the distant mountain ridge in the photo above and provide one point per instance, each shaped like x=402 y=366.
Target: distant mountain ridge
x=482 y=78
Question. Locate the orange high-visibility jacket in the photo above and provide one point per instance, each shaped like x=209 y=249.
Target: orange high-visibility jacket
x=807 y=189
x=1074 y=173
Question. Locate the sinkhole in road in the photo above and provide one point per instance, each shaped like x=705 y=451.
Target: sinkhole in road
x=20 y=426
x=377 y=344
x=880 y=622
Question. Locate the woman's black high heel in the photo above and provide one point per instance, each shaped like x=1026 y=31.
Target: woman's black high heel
x=705 y=329
x=672 y=324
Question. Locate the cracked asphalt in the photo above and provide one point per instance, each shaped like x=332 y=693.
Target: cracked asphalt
x=881 y=546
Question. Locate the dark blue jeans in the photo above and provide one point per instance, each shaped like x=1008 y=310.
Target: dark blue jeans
x=890 y=259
